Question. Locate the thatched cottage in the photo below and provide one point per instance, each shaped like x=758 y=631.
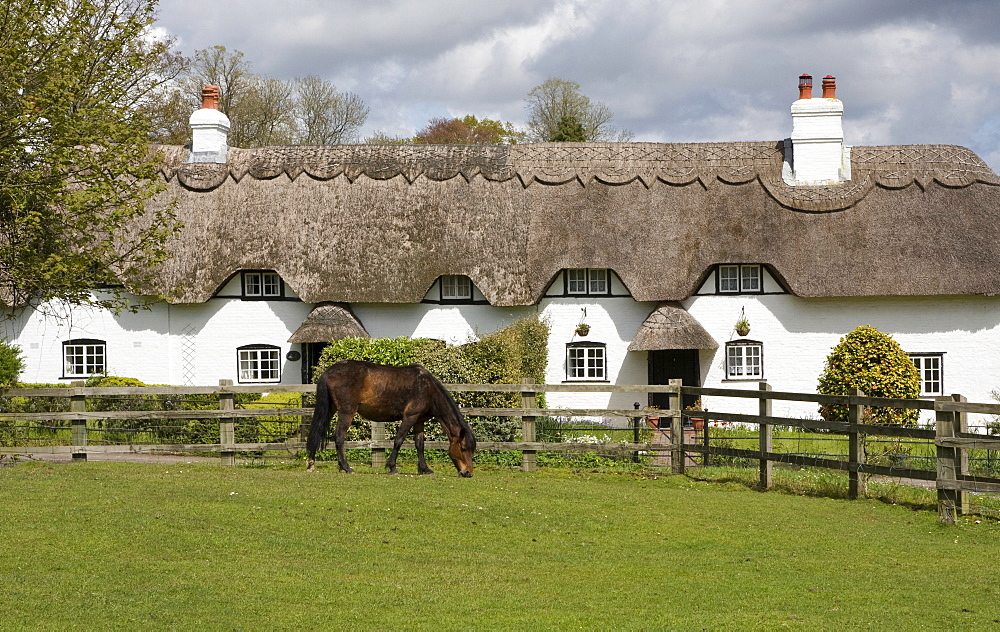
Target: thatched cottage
x=659 y=248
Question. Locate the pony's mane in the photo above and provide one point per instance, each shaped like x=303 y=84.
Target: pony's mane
x=445 y=400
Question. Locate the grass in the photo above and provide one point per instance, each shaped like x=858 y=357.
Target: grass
x=154 y=546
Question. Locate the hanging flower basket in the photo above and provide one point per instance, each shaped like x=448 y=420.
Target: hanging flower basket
x=582 y=330
x=742 y=327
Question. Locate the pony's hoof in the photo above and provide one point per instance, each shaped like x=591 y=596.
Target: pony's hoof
x=425 y=471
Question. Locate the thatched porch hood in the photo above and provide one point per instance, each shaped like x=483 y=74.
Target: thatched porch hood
x=378 y=224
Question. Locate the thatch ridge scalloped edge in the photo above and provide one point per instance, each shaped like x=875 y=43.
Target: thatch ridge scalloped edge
x=610 y=164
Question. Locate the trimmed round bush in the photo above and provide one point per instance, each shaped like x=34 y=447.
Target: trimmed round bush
x=873 y=362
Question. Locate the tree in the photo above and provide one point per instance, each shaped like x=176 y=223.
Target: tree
x=326 y=116
x=266 y=111
x=11 y=364
x=557 y=99
x=570 y=130
x=75 y=164
x=468 y=130
x=873 y=362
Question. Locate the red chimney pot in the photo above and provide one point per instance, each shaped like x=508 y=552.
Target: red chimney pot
x=829 y=87
x=805 y=86
x=210 y=97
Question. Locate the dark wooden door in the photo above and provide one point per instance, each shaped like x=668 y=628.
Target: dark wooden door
x=673 y=364
x=310 y=358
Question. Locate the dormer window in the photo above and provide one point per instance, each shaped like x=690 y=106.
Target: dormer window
x=262 y=284
x=587 y=281
x=740 y=279
x=456 y=287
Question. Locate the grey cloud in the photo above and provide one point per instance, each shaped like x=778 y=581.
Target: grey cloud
x=688 y=70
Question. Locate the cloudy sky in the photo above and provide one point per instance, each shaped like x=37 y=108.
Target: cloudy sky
x=908 y=71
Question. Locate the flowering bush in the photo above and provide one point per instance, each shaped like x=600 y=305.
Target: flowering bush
x=872 y=361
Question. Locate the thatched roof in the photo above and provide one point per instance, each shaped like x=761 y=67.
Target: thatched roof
x=378 y=224
x=329 y=321
x=670 y=326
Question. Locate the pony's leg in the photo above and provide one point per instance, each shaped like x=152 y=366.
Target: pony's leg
x=418 y=440
x=404 y=427
x=344 y=418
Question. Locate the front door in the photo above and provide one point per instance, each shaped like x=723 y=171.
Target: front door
x=310 y=358
x=673 y=364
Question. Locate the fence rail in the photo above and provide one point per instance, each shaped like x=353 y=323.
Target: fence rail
x=950 y=436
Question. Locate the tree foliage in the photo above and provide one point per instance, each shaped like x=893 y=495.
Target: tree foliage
x=468 y=130
x=262 y=110
x=873 y=362
x=569 y=130
x=559 y=101
x=75 y=166
x=11 y=364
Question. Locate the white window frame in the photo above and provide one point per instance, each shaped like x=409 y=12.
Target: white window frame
x=456 y=287
x=84 y=357
x=586 y=362
x=745 y=360
x=740 y=278
x=258 y=364
x=931 y=369
x=588 y=281
x=261 y=284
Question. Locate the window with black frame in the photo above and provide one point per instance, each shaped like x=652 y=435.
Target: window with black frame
x=258 y=363
x=744 y=360
x=586 y=361
x=84 y=357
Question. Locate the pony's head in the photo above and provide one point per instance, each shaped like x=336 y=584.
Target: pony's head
x=461 y=448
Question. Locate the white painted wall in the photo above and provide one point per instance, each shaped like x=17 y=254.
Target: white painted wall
x=797 y=334
x=155 y=345
x=614 y=322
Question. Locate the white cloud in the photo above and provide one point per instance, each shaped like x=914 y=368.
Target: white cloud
x=686 y=70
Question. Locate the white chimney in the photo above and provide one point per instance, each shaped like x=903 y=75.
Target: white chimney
x=817 y=155
x=209 y=129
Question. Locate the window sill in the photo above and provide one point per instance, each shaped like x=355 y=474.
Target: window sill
x=586 y=382
x=744 y=379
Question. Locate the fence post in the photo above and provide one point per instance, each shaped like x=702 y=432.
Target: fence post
x=378 y=454
x=528 y=463
x=948 y=465
x=635 y=433
x=227 y=430
x=856 y=486
x=676 y=429
x=962 y=425
x=766 y=440
x=78 y=427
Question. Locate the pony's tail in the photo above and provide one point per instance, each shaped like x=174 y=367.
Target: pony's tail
x=321 y=419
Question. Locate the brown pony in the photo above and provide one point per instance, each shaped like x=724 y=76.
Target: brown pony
x=409 y=394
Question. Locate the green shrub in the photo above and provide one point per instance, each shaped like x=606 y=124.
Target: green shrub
x=872 y=361
x=279 y=427
x=11 y=364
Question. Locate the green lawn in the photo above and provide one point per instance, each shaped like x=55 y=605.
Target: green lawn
x=182 y=546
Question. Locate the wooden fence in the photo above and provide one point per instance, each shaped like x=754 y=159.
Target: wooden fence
x=950 y=435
